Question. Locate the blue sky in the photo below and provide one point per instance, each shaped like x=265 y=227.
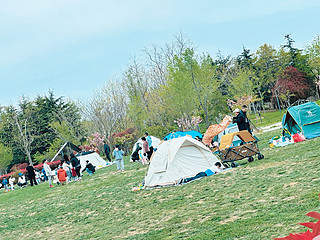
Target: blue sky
x=74 y=46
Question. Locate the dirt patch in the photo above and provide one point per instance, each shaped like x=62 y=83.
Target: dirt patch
x=31 y=214
x=290 y=184
x=270 y=165
x=133 y=233
x=289 y=198
x=204 y=219
x=231 y=219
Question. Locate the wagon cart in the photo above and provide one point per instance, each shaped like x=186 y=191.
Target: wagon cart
x=229 y=153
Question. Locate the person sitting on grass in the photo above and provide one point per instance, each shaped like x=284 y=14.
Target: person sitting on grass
x=89 y=167
x=62 y=175
x=118 y=154
x=22 y=181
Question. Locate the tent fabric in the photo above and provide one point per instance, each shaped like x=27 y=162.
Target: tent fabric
x=303 y=118
x=178 y=158
x=93 y=158
x=233 y=127
x=66 y=144
x=179 y=134
x=215 y=129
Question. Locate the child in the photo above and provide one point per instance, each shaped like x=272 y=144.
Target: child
x=5 y=184
x=144 y=159
x=118 y=154
x=73 y=174
x=11 y=182
x=62 y=175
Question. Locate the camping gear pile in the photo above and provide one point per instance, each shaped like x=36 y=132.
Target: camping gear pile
x=229 y=153
x=278 y=141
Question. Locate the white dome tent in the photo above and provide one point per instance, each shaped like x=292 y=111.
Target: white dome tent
x=178 y=158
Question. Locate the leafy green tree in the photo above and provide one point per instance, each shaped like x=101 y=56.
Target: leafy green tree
x=313 y=55
x=266 y=69
x=5 y=156
x=245 y=59
x=30 y=128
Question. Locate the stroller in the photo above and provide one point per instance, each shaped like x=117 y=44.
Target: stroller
x=229 y=153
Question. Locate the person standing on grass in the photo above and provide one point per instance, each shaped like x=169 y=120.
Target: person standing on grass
x=47 y=170
x=242 y=120
x=106 y=149
x=149 y=140
x=67 y=168
x=118 y=154
x=11 y=182
x=5 y=184
x=76 y=164
x=31 y=175
x=145 y=148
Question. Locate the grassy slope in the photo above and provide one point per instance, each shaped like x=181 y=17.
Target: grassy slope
x=260 y=200
x=267 y=118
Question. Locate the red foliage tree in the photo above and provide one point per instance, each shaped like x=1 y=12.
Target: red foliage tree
x=292 y=85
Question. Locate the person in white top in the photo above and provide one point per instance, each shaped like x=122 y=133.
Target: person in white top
x=22 y=180
x=11 y=182
x=47 y=170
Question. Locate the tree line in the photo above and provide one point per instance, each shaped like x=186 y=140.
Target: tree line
x=170 y=86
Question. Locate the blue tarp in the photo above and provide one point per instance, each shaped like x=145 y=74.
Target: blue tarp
x=172 y=135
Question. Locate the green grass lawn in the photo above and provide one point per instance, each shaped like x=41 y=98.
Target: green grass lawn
x=259 y=200
x=267 y=118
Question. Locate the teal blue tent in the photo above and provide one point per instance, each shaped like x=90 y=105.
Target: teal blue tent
x=303 y=118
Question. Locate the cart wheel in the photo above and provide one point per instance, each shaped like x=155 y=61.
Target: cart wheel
x=260 y=156
x=233 y=164
x=250 y=159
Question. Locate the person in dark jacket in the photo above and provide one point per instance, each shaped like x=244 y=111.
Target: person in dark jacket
x=31 y=175
x=89 y=167
x=76 y=164
x=241 y=119
x=106 y=149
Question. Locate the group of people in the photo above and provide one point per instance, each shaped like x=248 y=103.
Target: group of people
x=67 y=171
x=143 y=152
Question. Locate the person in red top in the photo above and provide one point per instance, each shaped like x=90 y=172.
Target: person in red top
x=62 y=175
x=145 y=148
